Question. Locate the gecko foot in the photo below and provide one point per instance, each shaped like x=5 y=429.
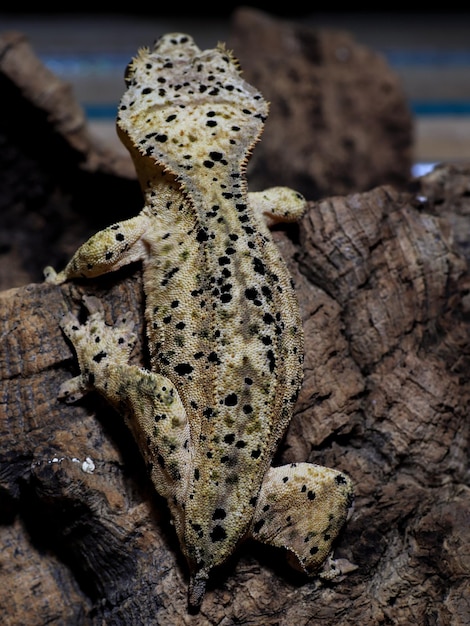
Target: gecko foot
x=96 y=344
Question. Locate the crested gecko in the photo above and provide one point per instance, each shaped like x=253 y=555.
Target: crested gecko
x=222 y=321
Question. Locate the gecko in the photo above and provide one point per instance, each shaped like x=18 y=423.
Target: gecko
x=223 y=327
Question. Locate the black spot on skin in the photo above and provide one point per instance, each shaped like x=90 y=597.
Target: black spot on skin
x=240 y=444
x=183 y=368
x=258 y=525
x=247 y=409
x=147 y=90
x=251 y=293
x=216 y=156
x=161 y=138
x=229 y=438
x=202 y=236
x=218 y=533
x=266 y=508
x=255 y=454
x=294 y=397
x=267 y=292
x=119 y=237
x=100 y=356
x=219 y=514
x=285 y=479
x=196 y=474
x=311 y=495
x=258 y=266
x=340 y=479
x=253 y=500
x=198 y=529
x=169 y=275
x=304 y=488
x=313 y=550
x=109 y=255
x=231 y=399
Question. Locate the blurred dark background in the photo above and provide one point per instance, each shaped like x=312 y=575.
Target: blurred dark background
x=429 y=50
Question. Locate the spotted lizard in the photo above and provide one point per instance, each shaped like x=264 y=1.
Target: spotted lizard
x=223 y=325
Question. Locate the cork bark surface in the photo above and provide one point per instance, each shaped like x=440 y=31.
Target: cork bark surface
x=339 y=121
x=382 y=281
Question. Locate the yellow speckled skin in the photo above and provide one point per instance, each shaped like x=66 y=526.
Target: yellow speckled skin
x=223 y=326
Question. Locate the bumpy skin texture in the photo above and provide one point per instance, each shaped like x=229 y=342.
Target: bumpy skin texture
x=223 y=325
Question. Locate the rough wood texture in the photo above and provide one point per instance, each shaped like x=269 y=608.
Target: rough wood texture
x=384 y=297
x=339 y=121
x=446 y=191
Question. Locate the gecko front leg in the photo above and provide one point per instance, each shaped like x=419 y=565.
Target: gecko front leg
x=277 y=204
x=106 y=251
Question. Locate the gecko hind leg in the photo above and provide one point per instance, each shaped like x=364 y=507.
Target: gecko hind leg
x=115 y=345
x=148 y=402
x=302 y=507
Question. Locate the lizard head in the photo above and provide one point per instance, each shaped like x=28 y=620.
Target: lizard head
x=189 y=110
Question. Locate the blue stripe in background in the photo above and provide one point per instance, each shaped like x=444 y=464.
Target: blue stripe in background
x=431 y=57
x=104 y=112
x=95 y=65
x=99 y=62
x=421 y=108
x=440 y=107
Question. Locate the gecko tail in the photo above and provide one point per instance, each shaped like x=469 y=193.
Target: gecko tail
x=197 y=589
